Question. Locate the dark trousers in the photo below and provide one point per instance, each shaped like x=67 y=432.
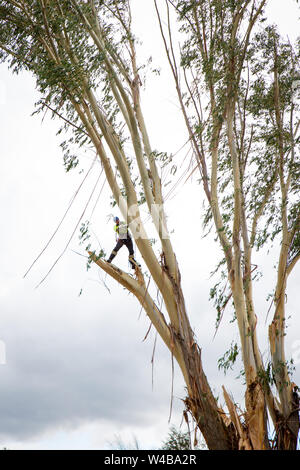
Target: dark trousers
x=122 y=241
x=127 y=242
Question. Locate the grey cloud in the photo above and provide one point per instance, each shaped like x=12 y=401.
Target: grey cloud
x=66 y=369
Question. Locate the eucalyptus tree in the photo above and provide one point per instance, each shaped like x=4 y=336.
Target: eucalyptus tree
x=238 y=88
x=82 y=55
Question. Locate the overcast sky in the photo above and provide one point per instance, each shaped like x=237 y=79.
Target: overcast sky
x=77 y=372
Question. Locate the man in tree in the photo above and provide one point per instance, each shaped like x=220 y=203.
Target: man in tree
x=123 y=238
x=83 y=56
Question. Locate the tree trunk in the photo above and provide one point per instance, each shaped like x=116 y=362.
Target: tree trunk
x=200 y=400
x=218 y=431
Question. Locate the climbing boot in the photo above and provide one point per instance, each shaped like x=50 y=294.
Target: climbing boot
x=113 y=254
x=134 y=264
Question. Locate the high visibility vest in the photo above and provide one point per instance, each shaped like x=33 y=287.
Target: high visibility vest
x=122 y=230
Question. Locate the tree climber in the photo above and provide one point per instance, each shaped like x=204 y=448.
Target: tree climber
x=123 y=238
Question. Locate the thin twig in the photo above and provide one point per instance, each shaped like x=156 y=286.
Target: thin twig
x=61 y=221
x=71 y=237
